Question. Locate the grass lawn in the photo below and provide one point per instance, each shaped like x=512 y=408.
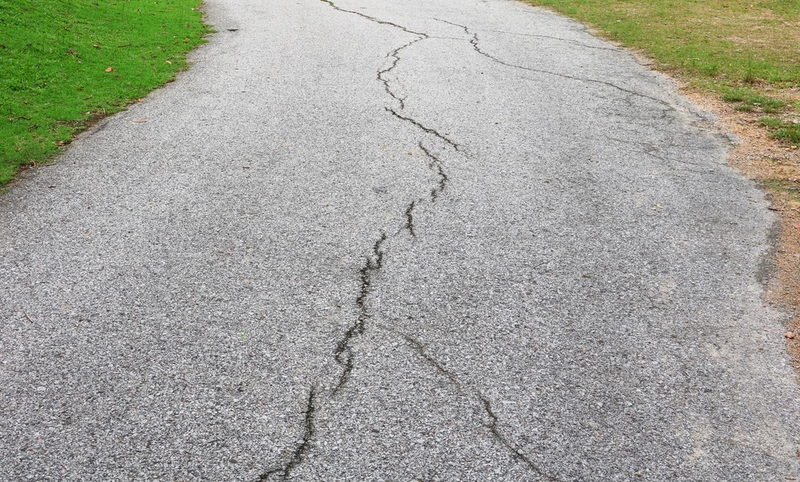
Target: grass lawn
x=66 y=63
x=745 y=51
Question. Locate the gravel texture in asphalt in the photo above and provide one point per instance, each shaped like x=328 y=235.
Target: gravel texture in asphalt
x=403 y=240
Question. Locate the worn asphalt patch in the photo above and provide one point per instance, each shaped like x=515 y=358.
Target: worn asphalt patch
x=407 y=241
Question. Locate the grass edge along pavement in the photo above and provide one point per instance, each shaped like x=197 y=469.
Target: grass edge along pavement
x=65 y=64
x=740 y=60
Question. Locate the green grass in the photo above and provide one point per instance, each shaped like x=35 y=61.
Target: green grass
x=782 y=129
x=729 y=42
x=745 y=51
x=772 y=122
x=789 y=132
x=747 y=100
x=66 y=63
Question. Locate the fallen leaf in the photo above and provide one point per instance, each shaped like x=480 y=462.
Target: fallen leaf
x=110 y=69
x=789 y=335
x=167 y=61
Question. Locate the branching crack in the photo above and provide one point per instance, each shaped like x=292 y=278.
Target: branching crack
x=395 y=56
x=344 y=352
x=476 y=46
x=299 y=452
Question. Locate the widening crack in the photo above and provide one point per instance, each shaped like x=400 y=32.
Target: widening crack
x=475 y=45
x=344 y=352
x=485 y=404
x=300 y=450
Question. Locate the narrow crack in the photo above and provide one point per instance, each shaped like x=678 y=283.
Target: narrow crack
x=420 y=349
x=373 y=19
x=493 y=422
x=300 y=451
x=344 y=352
x=433 y=132
x=560 y=39
x=475 y=45
x=485 y=404
x=410 y=218
x=436 y=164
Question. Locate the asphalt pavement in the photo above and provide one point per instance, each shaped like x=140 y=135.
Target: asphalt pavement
x=455 y=241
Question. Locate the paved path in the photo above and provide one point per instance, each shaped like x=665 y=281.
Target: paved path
x=403 y=240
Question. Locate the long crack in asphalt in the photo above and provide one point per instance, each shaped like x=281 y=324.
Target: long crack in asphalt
x=343 y=353
x=475 y=41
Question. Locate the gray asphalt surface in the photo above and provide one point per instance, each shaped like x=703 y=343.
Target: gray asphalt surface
x=404 y=240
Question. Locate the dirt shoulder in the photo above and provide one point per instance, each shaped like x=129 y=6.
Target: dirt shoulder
x=775 y=166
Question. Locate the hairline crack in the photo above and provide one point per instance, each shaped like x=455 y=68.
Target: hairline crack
x=485 y=404
x=474 y=42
